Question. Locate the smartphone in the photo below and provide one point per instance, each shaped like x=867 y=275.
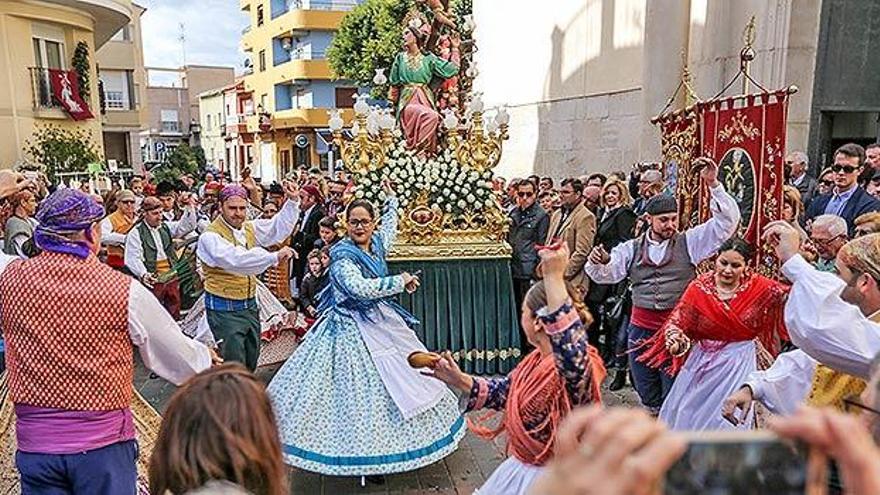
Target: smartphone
x=417 y=273
x=30 y=175
x=749 y=462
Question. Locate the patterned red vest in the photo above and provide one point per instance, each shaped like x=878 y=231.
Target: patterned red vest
x=65 y=321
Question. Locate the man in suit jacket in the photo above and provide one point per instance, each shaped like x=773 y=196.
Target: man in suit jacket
x=848 y=200
x=805 y=183
x=576 y=225
x=308 y=230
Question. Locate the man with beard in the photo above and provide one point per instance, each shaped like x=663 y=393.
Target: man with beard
x=660 y=264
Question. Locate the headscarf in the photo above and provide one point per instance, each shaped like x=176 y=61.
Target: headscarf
x=65 y=212
x=863 y=255
x=233 y=190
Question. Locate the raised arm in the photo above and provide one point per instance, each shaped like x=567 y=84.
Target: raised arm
x=820 y=323
x=705 y=239
x=568 y=336
x=272 y=231
x=162 y=345
x=388 y=227
x=346 y=274
x=187 y=223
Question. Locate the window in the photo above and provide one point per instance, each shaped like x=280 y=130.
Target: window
x=208 y=128
x=260 y=16
x=49 y=53
x=123 y=34
x=262 y=60
x=345 y=97
x=264 y=102
x=118 y=89
x=170 y=121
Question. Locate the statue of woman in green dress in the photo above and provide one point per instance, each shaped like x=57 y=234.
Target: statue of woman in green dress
x=410 y=80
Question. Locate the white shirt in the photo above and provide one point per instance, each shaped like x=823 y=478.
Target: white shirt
x=109 y=237
x=134 y=249
x=785 y=385
x=702 y=241
x=162 y=345
x=823 y=325
x=216 y=251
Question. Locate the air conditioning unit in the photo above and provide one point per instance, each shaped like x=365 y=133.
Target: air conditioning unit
x=248 y=64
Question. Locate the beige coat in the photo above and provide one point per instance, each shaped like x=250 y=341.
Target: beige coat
x=578 y=231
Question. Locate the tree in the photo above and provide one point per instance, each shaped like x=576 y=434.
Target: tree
x=368 y=38
x=59 y=150
x=182 y=160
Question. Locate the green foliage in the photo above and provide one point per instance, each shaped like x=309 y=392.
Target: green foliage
x=182 y=160
x=83 y=70
x=56 y=150
x=368 y=38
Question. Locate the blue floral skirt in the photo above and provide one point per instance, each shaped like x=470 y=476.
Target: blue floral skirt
x=335 y=416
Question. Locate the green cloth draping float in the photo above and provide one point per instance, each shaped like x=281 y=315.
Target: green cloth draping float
x=466 y=306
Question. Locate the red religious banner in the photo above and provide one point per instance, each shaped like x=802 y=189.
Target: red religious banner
x=746 y=136
x=680 y=140
x=65 y=90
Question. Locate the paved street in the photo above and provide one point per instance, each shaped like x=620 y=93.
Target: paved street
x=459 y=474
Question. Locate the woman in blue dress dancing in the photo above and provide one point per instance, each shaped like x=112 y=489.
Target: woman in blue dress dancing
x=347 y=401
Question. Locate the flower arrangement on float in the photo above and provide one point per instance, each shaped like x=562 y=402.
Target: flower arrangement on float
x=456 y=189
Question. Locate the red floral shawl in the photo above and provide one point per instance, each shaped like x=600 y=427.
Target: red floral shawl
x=755 y=311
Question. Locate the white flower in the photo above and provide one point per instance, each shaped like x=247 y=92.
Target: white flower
x=461 y=204
x=448 y=208
x=359 y=194
x=488 y=203
x=471 y=198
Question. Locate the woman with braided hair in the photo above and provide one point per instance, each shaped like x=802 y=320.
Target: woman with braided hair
x=563 y=372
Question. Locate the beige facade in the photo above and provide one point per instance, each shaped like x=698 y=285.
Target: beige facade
x=584 y=78
x=173 y=112
x=124 y=80
x=39 y=34
x=212 y=121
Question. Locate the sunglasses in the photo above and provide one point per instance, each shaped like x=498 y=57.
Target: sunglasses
x=524 y=194
x=847 y=169
x=128 y=202
x=827 y=183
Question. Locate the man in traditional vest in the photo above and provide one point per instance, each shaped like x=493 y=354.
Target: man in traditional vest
x=796 y=378
x=231 y=259
x=660 y=264
x=115 y=227
x=71 y=324
x=150 y=254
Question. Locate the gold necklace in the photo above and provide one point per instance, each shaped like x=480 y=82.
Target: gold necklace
x=414 y=61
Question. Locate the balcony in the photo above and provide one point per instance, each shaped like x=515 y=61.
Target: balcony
x=41 y=89
x=172 y=128
x=305 y=117
x=302 y=70
x=110 y=15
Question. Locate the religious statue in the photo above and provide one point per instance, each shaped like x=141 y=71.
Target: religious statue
x=412 y=73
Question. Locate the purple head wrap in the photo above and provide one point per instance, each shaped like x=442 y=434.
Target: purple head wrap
x=65 y=212
x=231 y=191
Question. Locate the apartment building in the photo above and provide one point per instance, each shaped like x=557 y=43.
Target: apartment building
x=38 y=39
x=291 y=81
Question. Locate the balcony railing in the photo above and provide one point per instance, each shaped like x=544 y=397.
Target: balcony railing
x=170 y=126
x=332 y=5
x=41 y=88
x=307 y=55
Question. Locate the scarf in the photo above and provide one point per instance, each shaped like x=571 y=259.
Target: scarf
x=65 y=212
x=537 y=401
x=755 y=312
x=372 y=265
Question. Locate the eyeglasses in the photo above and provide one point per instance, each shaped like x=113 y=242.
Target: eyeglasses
x=847 y=169
x=827 y=183
x=127 y=202
x=825 y=242
x=525 y=194
x=360 y=223
x=852 y=404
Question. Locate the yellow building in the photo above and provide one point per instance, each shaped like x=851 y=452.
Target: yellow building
x=124 y=81
x=37 y=35
x=291 y=81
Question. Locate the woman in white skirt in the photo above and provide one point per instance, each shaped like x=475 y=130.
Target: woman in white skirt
x=725 y=323
x=563 y=372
